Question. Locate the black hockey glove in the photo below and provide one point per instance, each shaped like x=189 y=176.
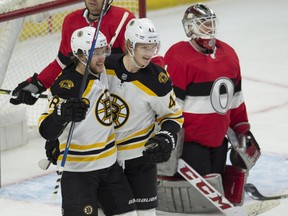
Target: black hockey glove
x=158 y=148
x=27 y=92
x=71 y=110
x=52 y=150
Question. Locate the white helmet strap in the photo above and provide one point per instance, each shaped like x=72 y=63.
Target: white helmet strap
x=131 y=55
x=85 y=64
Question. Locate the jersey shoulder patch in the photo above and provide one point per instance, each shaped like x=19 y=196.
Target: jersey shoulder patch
x=67 y=84
x=156 y=79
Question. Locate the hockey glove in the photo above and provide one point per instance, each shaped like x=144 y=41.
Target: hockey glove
x=27 y=92
x=158 y=148
x=71 y=110
x=52 y=150
x=245 y=149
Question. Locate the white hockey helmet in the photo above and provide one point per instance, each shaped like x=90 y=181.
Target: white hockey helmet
x=141 y=31
x=82 y=39
x=200 y=21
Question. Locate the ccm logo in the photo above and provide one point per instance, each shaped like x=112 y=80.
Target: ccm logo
x=204 y=188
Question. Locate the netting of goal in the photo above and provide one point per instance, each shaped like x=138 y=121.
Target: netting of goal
x=30 y=42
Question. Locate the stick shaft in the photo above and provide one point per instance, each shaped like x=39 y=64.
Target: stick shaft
x=124 y=18
x=8 y=92
x=208 y=191
x=82 y=88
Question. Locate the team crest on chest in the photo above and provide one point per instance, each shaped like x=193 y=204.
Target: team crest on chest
x=162 y=77
x=120 y=111
x=103 y=111
x=67 y=84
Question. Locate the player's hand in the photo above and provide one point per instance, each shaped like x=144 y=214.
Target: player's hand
x=27 y=92
x=158 y=148
x=52 y=150
x=71 y=110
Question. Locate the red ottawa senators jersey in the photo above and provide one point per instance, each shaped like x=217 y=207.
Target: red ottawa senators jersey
x=78 y=19
x=208 y=88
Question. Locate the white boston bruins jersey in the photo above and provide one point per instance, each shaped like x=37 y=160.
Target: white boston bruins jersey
x=138 y=99
x=93 y=141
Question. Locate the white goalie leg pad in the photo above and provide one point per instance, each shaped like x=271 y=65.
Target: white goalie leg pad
x=131 y=213
x=181 y=197
x=148 y=212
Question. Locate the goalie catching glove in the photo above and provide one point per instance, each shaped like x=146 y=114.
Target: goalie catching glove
x=158 y=148
x=245 y=149
x=27 y=92
x=52 y=150
x=71 y=110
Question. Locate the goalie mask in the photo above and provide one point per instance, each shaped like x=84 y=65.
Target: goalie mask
x=142 y=31
x=200 y=23
x=82 y=39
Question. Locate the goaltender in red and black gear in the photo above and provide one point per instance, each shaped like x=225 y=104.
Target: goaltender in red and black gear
x=207 y=81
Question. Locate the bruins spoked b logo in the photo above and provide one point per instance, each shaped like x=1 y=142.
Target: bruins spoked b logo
x=103 y=109
x=88 y=210
x=120 y=111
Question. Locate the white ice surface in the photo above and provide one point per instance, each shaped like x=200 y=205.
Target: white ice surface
x=258 y=30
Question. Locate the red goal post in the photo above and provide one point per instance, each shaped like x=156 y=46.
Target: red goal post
x=30 y=33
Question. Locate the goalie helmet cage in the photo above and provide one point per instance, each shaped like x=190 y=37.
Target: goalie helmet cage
x=30 y=32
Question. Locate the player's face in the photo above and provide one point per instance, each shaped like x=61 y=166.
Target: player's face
x=98 y=59
x=144 y=52
x=94 y=6
x=208 y=27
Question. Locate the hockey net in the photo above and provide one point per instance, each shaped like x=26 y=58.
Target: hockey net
x=30 y=32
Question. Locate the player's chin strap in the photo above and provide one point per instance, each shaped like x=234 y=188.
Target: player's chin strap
x=131 y=55
x=245 y=149
x=85 y=64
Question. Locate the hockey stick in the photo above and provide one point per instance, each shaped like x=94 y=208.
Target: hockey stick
x=8 y=92
x=260 y=207
x=124 y=17
x=44 y=164
x=253 y=192
x=82 y=88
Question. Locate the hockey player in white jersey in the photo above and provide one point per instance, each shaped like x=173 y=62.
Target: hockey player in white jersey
x=91 y=160
x=142 y=95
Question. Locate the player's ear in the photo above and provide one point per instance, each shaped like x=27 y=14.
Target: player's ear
x=81 y=57
x=128 y=46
